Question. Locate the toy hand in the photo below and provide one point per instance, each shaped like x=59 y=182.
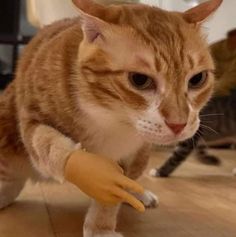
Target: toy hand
x=101 y=179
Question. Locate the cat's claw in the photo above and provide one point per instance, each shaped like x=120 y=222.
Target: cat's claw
x=89 y=233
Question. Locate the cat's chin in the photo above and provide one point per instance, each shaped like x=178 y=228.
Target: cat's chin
x=162 y=141
x=167 y=143
x=165 y=140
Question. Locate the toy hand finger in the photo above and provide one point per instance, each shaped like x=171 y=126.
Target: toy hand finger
x=112 y=201
x=128 y=198
x=131 y=185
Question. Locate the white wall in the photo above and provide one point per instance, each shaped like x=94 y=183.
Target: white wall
x=217 y=25
x=48 y=11
x=223 y=21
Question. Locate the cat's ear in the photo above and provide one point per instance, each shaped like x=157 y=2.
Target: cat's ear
x=90 y=7
x=93 y=27
x=199 y=13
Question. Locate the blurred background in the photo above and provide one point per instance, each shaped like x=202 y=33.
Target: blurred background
x=20 y=20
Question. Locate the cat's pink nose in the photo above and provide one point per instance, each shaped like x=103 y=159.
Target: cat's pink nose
x=175 y=127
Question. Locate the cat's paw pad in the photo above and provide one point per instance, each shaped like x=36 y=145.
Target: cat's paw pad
x=234 y=171
x=149 y=199
x=89 y=233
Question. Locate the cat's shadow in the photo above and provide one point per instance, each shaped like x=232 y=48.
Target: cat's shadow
x=68 y=218
x=32 y=216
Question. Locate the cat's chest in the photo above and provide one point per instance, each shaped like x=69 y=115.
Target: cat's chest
x=116 y=143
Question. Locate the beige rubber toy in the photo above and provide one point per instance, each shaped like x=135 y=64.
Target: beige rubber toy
x=102 y=179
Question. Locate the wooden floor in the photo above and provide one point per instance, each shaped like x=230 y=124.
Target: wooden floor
x=198 y=201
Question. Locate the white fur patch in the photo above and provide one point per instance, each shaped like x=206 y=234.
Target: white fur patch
x=149 y=199
x=151 y=126
x=153 y=173
x=109 y=135
x=51 y=162
x=89 y=233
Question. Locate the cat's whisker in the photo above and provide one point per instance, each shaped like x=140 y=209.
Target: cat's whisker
x=208 y=115
x=194 y=144
x=208 y=121
x=202 y=138
x=198 y=135
x=209 y=128
x=203 y=133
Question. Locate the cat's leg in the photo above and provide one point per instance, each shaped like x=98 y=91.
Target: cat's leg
x=13 y=175
x=48 y=148
x=9 y=190
x=135 y=170
x=101 y=221
x=204 y=157
x=180 y=154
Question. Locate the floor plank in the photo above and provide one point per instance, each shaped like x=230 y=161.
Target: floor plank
x=27 y=217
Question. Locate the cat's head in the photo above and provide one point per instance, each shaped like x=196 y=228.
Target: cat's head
x=145 y=67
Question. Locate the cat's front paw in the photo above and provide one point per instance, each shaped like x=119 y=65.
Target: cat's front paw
x=149 y=199
x=89 y=233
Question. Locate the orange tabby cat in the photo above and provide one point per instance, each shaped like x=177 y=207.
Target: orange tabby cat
x=115 y=80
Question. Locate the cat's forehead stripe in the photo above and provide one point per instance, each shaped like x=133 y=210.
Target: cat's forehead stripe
x=164 y=57
x=157 y=64
x=142 y=62
x=190 y=61
x=168 y=48
x=169 y=37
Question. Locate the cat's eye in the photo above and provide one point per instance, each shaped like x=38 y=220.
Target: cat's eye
x=141 y=81
x=198 y=80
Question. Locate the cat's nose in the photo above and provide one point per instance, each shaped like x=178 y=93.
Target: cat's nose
x=175 y=127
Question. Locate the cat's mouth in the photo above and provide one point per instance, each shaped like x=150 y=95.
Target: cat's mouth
x=161 y=134
x=166 y=139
